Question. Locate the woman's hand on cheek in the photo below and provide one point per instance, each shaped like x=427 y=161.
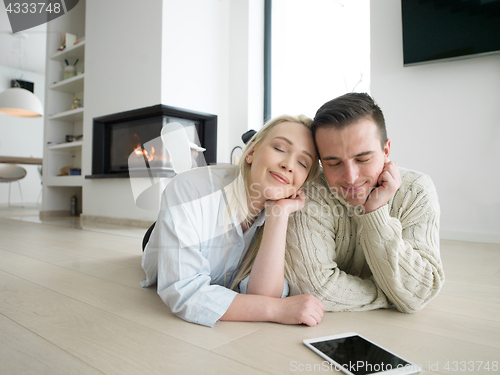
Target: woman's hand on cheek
x=286 y=206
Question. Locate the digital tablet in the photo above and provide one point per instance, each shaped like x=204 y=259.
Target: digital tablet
x=355 y=355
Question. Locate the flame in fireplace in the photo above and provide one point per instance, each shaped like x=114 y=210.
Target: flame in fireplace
x=140 y=151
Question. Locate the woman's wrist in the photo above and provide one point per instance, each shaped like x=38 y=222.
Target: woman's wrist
x=277 y=213
x=273 y=309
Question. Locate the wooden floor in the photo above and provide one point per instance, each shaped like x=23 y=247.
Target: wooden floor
x=70 y=303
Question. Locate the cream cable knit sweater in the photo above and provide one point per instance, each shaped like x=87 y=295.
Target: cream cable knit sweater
x=356 y=262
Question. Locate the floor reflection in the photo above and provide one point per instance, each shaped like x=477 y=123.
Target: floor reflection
x=30 y=213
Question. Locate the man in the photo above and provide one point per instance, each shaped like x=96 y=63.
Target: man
x=368 y=236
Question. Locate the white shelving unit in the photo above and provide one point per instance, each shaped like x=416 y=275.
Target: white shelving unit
x=70 y=85
x=61 y=119
x=76 y=51
x=65 y=181
x=66 y=145
x=65 y=121
x=72 y=115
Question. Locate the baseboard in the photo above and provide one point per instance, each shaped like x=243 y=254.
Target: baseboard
x=470 y=236
x=47 y=215
x=92 y=219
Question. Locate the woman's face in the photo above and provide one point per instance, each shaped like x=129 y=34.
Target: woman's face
x=281 y=162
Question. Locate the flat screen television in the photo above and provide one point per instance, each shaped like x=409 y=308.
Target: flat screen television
x=436 y=30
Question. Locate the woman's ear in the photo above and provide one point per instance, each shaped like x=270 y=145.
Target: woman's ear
x=249 y=157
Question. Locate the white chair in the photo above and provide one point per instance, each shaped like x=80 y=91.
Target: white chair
x=10 y=173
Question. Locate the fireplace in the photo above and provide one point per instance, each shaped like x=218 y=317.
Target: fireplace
x=128 y=144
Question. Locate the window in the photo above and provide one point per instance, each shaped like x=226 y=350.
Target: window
x=320 y=49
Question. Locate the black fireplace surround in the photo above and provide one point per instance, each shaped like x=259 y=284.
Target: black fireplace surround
x=118 y=135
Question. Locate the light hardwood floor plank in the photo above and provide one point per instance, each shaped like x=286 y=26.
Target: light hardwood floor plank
x=457 y=305
x=142 y=306
x=24 y=352
x=127 y=271
x=463 y=257
x=69 y=239
x=102 y=340
x=481 y=288
x=454 y=326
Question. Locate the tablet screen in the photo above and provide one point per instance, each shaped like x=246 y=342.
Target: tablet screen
x=359 y=355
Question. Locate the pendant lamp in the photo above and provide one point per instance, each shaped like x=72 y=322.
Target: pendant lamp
x=20 y=102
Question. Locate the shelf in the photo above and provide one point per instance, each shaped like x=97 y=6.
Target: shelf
x=71 y=115
x=71 y=85
x=76 y=51
x=65 y=145
x=136 y=174
x=64 y=181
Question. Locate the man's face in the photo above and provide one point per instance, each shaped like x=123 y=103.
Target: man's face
x=352 y=159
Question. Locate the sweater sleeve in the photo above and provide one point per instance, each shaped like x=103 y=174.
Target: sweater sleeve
x=311 y=263
x=401 y=244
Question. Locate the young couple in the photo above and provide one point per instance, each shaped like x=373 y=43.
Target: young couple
x=219 y=247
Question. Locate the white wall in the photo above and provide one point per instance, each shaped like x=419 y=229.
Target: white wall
x=22 y=137
x=212 y=62
x=246 y=70
x=443 y=119
x=195 y=59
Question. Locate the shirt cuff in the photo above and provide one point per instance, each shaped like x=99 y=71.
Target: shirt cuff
x=244 y=285
x=213 y=311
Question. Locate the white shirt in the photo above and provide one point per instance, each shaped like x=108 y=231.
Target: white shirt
x=195 y=248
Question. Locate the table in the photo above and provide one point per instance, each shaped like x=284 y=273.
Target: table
x=20 y=160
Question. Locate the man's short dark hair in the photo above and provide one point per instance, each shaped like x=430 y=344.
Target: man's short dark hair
x=349 y=109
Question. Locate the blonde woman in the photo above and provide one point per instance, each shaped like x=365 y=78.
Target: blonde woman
x=209 y=219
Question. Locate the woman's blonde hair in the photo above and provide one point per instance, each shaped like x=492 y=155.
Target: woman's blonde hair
x=247 y=263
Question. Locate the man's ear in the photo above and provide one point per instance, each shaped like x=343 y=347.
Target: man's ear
x=387 y=150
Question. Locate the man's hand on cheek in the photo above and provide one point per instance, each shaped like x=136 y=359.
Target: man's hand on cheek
x=389 y=182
